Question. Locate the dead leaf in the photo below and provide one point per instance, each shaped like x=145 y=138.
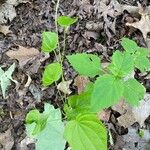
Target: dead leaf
x=121 y=107
x=143 y=25
x=127 y=118
x=81 y=82
x=104 y=115
x=130 y=115
x=5 y=29
x=64 y=87
x=142 y=112
x=23 y=54
x=23 y=145
x=6 y=140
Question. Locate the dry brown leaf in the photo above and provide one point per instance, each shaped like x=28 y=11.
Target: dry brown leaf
x=127 y=117
x=81 y=82
x=23 y=54
x=130 y=115
x=104 y=115
x=5 y=29
x=121 y=107
x=143 y=25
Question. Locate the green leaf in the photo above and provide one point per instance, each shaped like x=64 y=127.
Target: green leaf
x=66 y=21
x=133 y=91
x=122 y=64
x=129 y=45
x=86 y=132
x=141 y=60
x=85 y=64
x=6 y=78
x=51 y=136
x=107 y=91
x=51 y=73
x=79 y=103
x=49 y=41
x=34 y=116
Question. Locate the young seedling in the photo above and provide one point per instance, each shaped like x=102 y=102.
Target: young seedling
x=110 y=87
x=83 y=129
x=82 y=122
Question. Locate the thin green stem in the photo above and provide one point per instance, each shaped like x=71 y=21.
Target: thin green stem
x=56 y=14
x=59 y=51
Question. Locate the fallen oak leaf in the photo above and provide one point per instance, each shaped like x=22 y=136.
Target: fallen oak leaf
x=23 y=54
x=143 y=25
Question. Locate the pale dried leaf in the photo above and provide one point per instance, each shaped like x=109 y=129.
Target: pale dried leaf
x=142 y=112
x=130 y=115
x=5 y=29
x=143 y=25
x=127 y=119
x=23 y=145
x=7 y=10
x=64 y=87
x=122 y=107
x=23 y=54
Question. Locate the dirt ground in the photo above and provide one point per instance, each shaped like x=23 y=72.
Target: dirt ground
x=99 y=29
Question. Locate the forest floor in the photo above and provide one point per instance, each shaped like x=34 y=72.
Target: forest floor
x=101 y=24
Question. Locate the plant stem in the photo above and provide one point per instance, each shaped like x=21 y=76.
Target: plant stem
x=59 y=52
x=64 y=43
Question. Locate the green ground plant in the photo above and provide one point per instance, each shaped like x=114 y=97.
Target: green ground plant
x=80 y=126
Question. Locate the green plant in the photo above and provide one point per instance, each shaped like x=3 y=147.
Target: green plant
x=78 y=114
x=83 y=130
x=115 y=82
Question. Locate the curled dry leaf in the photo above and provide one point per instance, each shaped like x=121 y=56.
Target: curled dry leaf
x=5 y=29
x=64 y=87
x=81 y=82
x=29 y=80
x=23 y=54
